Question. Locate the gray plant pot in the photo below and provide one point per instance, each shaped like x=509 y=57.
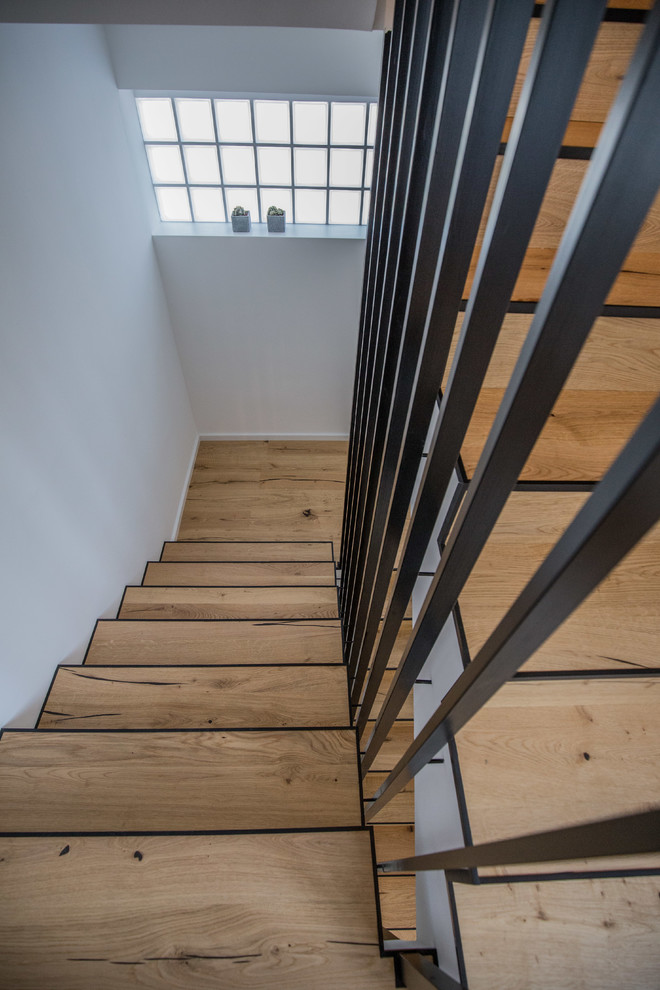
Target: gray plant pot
x=241 y=225
x=276 y=224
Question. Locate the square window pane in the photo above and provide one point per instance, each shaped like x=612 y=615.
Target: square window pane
x=156 y=120
x=344 y=206
x=368 y=168
x=310 y=206
x=310 y=123
x=271 y=121
x=173 y=203
x=348 y=123
x=208 y=205
x=373 y=120
x=201 y=164
x=274 y=166
x=165 y=163
x=247 y=198
x=234 y=120
x=238 y=165
x=195 y=120
x=311 y=166
x=277 y=197
x=345 y=167
x=365 y=207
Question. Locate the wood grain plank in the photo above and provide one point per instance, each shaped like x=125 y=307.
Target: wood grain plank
x=622 y=354
x=547 y=754
x=401 y=809
x=616 y=627
x=196 y=698
x=264 y=912
x=229 y=603
x=406 y=712
x=583 y=435
x=394 y=841
x=246 y=551
x=266 y=490
x=184 y=574
x=397 y=901
x=607 y=65
x=394 y=746
x=577 y=933
x=191 y=642
x=129 y=781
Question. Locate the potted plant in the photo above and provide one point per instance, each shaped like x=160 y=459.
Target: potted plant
x=276 y=219
x=240 y=220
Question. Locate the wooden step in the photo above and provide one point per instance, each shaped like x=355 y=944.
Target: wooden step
x=394 y=841
x=397 y=901
x=192 y=642
x=546 y=754
x=266 y=490
x=401 y=809
x=182 y=574
x=582 y=934
x=583 y=435
x=396 y=743
x=229 y=603
x=176 y=781
x=196 y=697
x=263 y=551
x=269 y=912
x=407 y=710
x=615 y=628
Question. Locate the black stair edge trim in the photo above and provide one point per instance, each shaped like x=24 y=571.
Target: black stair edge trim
x=103 y=732
x=621 y=15
x=201 y=666
x=596 y=874
x=183 y=832
x=251 y=587
x=608 y=673
x=624 y=312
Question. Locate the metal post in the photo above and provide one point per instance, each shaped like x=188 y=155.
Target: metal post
x=622 y=509
x=542 y=114
x=619 y=188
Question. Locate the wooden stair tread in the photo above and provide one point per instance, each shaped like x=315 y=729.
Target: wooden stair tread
x=621 y=354
x=241 y=551
x=401 y=809
x=394 y=746
x=191 y=574
x=266 y=490
x=229 y=603
x=617 y=625
x=406 y=712
x=584 y=433
x=546 y=754
x=581 y=934
x=193 y=912
x=177 y=781
x=394 y=841
x=196 y=697
x=190 y=641
x=397 y=901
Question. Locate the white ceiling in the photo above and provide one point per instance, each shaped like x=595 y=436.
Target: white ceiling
x=356 y=15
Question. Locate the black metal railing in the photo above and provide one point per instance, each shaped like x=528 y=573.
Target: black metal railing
x=449 y=75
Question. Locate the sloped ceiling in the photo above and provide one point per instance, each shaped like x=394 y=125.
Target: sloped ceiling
x=356 y=15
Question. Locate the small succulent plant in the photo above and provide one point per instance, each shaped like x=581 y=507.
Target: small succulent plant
x=275 y=211
x=239 y=211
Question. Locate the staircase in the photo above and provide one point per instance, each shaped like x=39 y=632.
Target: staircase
x=188 y=810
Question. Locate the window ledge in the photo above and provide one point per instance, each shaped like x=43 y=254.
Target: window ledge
x=299 y=230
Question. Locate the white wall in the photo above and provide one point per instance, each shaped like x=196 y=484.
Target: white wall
x=96 y=428
x=266 y=329
x=290 y=61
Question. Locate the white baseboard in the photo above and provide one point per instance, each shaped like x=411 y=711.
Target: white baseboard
x=273 y=436
x=184 y=493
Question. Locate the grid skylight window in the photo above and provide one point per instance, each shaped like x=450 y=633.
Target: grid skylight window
x=311 y=158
